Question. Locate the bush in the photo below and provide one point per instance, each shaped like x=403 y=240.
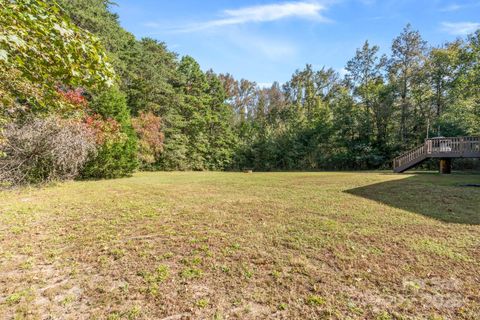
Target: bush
x=43 y=150
x=117 y=154
x=150 y=136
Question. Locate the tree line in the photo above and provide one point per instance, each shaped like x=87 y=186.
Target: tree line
x=382 y=106
x=139 y=105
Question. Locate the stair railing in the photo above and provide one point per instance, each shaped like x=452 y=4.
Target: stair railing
x=410 y=156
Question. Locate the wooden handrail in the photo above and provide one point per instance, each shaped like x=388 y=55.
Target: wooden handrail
x=410 y=156
x=407 y=152
x=438 y=147
x=454 y=145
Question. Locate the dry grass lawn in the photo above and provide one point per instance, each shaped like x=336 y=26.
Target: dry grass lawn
x=243 y=246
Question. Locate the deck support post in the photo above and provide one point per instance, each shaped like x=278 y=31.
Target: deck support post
x=446 y=166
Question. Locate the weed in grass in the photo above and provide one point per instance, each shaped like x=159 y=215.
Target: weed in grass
x=194 y=240
x=218 y=315
x=134 y=313
x=27 y=249
x=149 y=214
x=117 y=253
x=167 y=255
x=162 y=273
x=282 y=306
x=276 y=275
x=383 y=316
x=375 y=251
x=103 y=261
x=15 y=298
x=144 y=253
x=314 y=300
x=247 y=272
x=124 y=288
x=237 y=302
x=7 y=255
x=191 y=273
x=68 y=300
x=27 y=265
x=354 y=308
x=204 y=249
x=73 y=269
x=225 y=269
x=152 y=288
x=52 y=254
x=17 y=229
x=231 y=249
x=411 y=286
x=21 y=300
x=115 y=315
x=194 y=261
x=154 y=279
x=202 y=303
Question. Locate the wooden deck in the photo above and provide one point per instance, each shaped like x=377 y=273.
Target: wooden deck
x=443 y=148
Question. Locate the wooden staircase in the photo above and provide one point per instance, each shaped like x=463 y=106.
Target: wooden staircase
x=443 y=148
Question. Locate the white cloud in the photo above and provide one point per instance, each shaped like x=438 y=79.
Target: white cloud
x=368 y=2
x=457 y=7
x=342 y=72
x=265 y=85
x=261 y=13
x=270 y=48
x=460 y=28
x=275 y=50
x=452 y=7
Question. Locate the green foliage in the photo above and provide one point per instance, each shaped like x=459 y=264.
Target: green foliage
x=116 y=156
x=199 y=130
x=197 y=125
x=44 y=49
x=151 y=88
x=94 y=16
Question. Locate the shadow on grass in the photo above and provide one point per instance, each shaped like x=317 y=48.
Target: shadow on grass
x=444 y=198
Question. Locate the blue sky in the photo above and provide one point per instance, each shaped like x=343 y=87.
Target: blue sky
x=267 y=40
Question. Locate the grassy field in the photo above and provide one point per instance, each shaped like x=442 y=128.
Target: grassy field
x=245 y=246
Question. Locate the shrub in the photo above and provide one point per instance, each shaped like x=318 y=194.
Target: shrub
x=42 y=150
x=117 y=153
x=150 y=137
x=74 y=97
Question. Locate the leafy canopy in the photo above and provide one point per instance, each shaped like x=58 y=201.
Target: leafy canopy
x=44 y=49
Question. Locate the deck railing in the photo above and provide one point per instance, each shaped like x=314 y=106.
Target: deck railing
x=441 y=147
x=453 y=145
